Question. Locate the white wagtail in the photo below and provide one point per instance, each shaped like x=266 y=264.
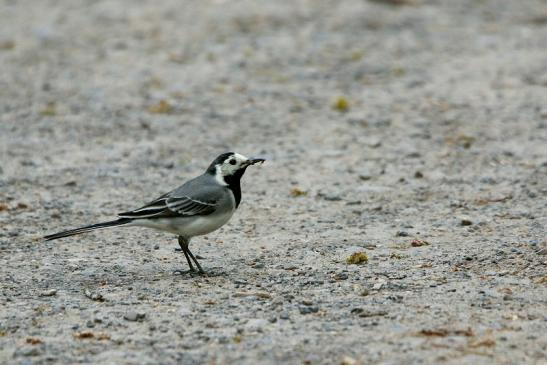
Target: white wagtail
x=197 y=207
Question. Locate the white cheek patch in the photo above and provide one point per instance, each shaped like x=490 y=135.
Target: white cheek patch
x=228 y=169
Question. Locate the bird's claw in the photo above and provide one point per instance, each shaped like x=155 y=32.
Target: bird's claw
x=191 y=272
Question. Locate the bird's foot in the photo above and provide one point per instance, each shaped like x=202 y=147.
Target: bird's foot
x=191 y=272
x=216 y=272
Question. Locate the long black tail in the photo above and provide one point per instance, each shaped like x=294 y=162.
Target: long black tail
x=72 y=232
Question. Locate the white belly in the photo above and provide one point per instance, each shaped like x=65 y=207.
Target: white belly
x=187 y=226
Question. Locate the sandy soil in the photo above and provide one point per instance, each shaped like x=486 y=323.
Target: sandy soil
x=415 y=133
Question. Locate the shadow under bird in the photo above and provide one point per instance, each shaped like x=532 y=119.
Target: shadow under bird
x=197 y=207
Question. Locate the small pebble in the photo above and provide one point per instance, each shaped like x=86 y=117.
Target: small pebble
x=341 y=276
x=184 y=311
x=48 y=293
x=330 y=197
x=133 y=316
x=93 y=296
x=346 y=360
x=29 y=351
x=464 y=221
x=308 y=309
x=256 y=325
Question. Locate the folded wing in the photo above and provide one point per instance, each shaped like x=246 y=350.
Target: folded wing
x=166 y=206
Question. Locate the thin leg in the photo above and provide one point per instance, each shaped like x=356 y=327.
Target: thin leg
x=189 y=262
x=183 y=242
x=195 y=260
x=184 y=247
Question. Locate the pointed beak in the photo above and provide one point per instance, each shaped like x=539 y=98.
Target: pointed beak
x=253 y=161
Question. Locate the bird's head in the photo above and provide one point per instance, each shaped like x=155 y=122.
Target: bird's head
x=231 y=166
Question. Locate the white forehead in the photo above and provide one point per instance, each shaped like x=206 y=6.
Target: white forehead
x=239 y=158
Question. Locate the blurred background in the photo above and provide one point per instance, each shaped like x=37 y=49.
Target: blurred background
x=167 y=83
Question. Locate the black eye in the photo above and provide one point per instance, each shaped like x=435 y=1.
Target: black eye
x=232 y=162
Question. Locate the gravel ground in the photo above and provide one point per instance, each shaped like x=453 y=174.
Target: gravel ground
x=414 y=132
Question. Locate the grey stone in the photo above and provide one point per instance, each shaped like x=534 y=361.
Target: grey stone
x=48 y=293
x=133 y=316
x=304 y=309
x=465 y=221
x=256 y=325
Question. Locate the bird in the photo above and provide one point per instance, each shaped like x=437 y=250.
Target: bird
x=197 y=207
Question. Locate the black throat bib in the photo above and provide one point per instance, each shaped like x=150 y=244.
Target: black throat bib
x=234 y=184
